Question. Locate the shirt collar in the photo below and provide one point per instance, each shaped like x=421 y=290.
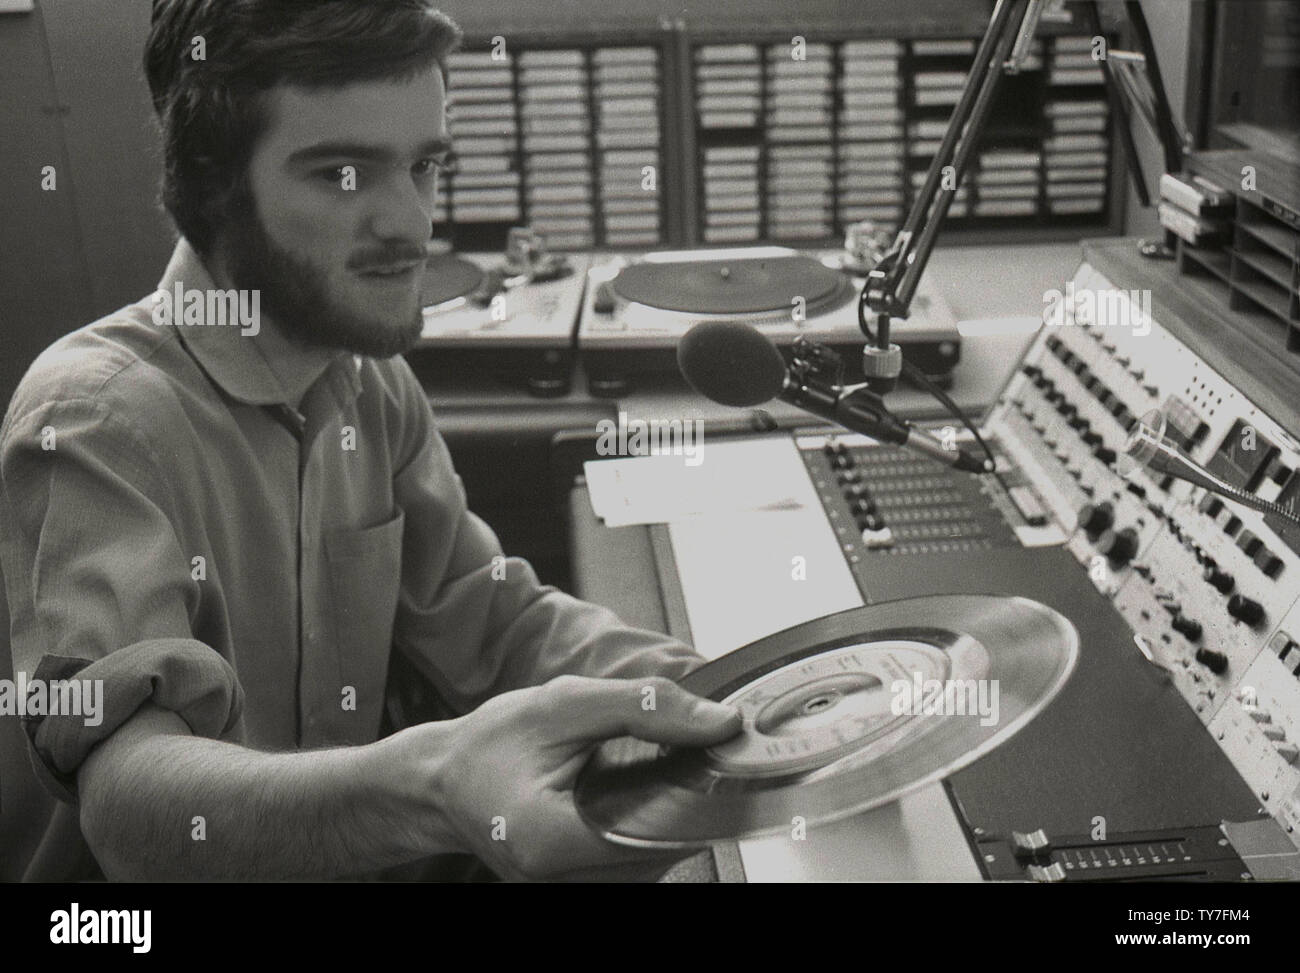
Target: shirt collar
x=262 y=368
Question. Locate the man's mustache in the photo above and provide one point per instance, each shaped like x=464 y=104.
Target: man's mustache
x=383 y=259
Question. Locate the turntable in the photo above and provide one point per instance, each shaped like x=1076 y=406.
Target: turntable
x=509 y=318
x=637 y=308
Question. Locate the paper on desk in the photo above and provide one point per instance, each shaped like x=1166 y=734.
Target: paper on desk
x=729 y=477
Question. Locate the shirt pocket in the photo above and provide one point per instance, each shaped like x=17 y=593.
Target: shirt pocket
x=365 y=574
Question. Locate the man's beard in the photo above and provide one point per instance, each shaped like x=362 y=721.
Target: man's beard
x=295 y=294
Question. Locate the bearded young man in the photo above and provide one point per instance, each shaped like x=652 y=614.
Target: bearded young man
x=234 y=528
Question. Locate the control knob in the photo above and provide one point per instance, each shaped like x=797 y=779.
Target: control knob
x=1095 y=518
x=1245 y=610
x=1119 y=546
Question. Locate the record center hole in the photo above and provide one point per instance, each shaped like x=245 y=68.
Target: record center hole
x=819 y=703
x=827 y=701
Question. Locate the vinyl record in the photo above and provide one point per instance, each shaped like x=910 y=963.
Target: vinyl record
x=842 y=714
x=744 y=286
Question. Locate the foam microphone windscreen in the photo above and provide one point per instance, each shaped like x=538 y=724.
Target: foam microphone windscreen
x=731 y=363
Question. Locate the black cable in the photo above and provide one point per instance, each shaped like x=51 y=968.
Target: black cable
x=918 y=377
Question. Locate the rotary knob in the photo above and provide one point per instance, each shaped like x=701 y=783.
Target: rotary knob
x=1119 y=546
x=1216 y=662
x=1219 y=579
x=1095 y=518
x=1245 y=610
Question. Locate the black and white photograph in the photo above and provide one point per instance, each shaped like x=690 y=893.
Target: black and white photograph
x=651 y=442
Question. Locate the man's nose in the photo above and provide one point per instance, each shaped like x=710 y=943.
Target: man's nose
x=403 y=210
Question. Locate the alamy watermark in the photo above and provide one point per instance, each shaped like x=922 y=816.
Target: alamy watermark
x=193 y=307
x=77 y=926
x=654 y=437
x=950 y=697
x=1105 y=307
x=55 y=697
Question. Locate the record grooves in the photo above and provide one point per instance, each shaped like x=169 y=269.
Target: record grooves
x=743 y=286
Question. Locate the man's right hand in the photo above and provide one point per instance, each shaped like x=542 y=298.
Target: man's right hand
x=502 y=777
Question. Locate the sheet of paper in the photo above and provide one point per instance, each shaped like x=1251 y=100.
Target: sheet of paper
x=697 y=478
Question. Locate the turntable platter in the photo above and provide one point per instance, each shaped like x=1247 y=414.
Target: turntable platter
x=447 y=276
x=842 y=714
x=742 y=286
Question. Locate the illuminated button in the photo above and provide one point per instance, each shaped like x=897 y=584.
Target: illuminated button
x=1249 y=543
x=1274 y=732
x=1231 y=526
x=1288 y=752
x=1268 y=562
x=1189 y=628
x=1257 y=714
x=1210 y=505
x=1104 y=454
x=1280 y=644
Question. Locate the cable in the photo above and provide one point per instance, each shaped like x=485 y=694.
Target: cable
x=919 y=377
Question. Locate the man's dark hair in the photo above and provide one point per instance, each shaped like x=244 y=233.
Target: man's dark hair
x=212 y=107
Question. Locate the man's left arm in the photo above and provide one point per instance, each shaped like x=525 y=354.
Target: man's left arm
x=477 y=622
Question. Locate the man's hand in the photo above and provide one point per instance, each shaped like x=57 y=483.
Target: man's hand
x=504 y=774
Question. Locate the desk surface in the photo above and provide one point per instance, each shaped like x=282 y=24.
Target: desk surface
x=979 y=282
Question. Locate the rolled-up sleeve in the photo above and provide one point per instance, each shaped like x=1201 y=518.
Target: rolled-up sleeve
x=477 y=622
x=98 y=587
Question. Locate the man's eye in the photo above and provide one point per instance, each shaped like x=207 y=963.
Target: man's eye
x=429 y=167
x=340 y=175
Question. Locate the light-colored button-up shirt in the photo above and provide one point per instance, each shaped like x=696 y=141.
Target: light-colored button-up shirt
x=243 y=531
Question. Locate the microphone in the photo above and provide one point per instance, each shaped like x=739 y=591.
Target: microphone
x=731 y=363
x=1149 y=447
